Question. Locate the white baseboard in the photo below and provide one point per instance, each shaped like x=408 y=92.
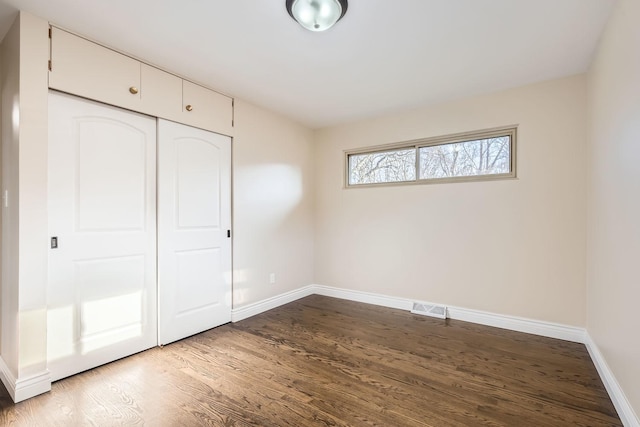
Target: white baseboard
x=24 y=388
x=625 y=411
x=519 y=324
x=241 y=313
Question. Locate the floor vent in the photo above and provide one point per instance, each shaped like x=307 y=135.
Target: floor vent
x=439 y=311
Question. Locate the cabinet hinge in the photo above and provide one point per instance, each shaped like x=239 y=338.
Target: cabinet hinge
x=50 y=32
x=50 y=67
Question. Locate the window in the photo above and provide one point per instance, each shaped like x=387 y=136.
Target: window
x=479 y=155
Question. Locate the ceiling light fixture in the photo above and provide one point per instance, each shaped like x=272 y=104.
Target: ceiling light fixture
x=317 y=15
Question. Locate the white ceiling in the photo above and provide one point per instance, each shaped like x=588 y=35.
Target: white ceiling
x=384 y=56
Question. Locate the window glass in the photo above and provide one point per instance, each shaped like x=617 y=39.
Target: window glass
x=469 y=158
x=382 y=166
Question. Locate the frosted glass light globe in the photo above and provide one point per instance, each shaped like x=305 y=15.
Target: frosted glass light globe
x=316 y=15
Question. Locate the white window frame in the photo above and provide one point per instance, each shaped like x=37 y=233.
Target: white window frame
x=510 y=131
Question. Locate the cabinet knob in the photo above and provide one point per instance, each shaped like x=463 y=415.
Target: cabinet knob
x=188 y=107
x=133 y=90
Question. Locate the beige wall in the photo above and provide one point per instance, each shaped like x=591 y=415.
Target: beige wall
x=24 y=145
x=513 y=247
x=9 y=61
x=32 y=170
x=613 y=280
x=272 y=205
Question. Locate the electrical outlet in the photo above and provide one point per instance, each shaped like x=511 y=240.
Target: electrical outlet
x=272 y=278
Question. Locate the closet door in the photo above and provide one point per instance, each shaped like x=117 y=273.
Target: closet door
x=102 y=208
x=194 y=216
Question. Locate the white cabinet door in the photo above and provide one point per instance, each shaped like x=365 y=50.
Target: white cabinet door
x=83 y=68
x=207 y=109
x=102 y=291
x=194 y=214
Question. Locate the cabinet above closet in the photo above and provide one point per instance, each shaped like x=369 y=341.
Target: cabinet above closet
x=81 y=67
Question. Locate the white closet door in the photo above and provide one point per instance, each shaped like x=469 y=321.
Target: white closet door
x=102 y=207
x=194 y=214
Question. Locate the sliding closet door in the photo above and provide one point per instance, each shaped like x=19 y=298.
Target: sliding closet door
x=194 y=216
x=102 y=220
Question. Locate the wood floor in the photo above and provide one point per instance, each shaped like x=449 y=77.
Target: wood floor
x=326 y=362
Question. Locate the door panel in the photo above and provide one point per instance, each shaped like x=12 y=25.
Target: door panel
x=197 y=170
x=111 y=176
x=196 y=271
x=194 y=214
x=102 y=205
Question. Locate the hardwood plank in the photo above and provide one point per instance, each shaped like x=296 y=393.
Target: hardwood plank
x=321 y=361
